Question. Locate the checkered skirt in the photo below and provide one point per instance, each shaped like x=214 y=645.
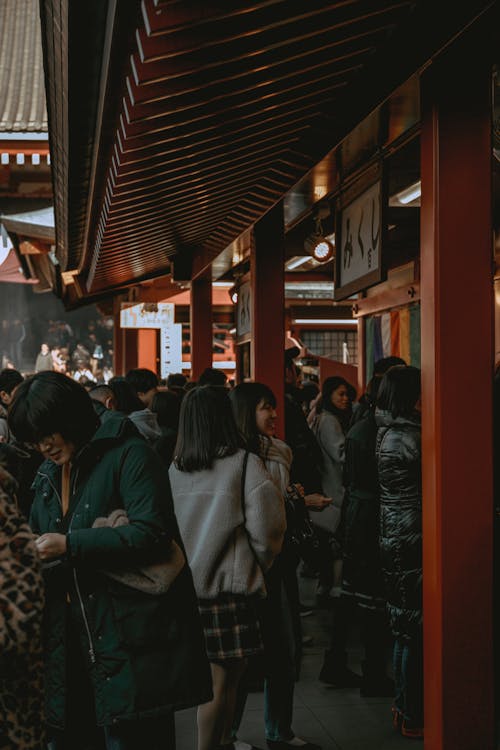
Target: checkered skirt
x=231 y=627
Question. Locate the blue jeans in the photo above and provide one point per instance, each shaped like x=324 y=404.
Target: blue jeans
x=281 y=634
x=408 y=679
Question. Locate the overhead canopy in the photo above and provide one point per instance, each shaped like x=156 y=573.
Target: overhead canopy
x=189 y=120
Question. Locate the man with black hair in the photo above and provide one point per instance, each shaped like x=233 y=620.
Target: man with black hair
x=306 y=452
x=145 y=384
x=103 y=400
x=176 y=383
x=9 y=380
x=211 y=376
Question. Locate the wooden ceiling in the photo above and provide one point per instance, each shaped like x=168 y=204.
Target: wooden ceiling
x=205 y=113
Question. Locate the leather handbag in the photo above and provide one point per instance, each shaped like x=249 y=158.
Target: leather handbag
x=155 y=578
x=300 y=534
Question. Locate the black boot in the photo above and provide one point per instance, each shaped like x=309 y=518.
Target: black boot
x=375 y=683
x=336 y=673
x=374 y=634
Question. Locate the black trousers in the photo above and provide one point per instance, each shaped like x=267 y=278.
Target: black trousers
x=374 y=636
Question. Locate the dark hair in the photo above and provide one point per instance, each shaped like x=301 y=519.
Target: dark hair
x=382 y=365
x=126 y=397
x=330 y=385
x=10 y=379
x=101 y=391
x=207 y=429
x=177 y=380
x=245 y=398
x=50 y=402
x=308 y=392
x=142 y=380
x=399 y=391
x=211 y=376
x=167 y=406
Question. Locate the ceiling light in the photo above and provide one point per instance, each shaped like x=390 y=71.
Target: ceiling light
x=319 y=245
x=297 y=261
x=323 y=250
x=222 y=284
x=409 y=194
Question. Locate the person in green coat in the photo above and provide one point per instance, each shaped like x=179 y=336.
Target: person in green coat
x=119 y=658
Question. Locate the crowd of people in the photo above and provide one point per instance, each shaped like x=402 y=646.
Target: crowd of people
x=169 y=524
x=84 y=352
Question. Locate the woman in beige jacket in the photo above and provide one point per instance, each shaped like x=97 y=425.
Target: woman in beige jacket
x=232 y=521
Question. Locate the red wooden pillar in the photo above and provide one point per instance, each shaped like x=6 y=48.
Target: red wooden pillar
x=457 y=372
x=147 y=348
x=129 y=349
x=201 y=325
x=268 y=306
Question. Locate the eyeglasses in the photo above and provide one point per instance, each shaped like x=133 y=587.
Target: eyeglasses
x=42 y=445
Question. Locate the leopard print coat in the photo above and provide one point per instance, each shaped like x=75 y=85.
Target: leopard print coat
x=21 y=605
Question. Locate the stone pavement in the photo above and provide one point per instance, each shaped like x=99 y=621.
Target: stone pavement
x=335 y=719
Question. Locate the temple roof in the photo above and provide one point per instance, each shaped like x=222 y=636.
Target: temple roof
x=22 y=88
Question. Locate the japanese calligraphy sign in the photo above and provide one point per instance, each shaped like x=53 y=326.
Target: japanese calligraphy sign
x=359 y=243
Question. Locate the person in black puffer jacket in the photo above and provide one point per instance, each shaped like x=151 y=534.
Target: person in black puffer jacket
x=399 y=470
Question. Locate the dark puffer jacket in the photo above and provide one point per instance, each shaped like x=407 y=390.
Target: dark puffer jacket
x=400 y=479
x=145 y=654
x=362 y=573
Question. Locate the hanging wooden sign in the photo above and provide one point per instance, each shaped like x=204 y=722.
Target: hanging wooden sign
x=359 y=240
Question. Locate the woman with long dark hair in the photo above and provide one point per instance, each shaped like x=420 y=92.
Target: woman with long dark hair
x=399 y=457
x=119 y=655
x=330 y=425
x=232 y=520
x=254 y=407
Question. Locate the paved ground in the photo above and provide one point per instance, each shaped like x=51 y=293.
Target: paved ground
x=335 y=719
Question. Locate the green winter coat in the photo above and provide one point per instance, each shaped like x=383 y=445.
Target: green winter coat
x=145 y=653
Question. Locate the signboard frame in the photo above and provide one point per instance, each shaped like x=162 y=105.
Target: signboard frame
x=360 y=255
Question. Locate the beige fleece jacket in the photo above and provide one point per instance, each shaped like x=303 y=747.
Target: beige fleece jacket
x=225 y=553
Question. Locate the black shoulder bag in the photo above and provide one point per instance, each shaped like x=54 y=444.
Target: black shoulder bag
x=300 y=533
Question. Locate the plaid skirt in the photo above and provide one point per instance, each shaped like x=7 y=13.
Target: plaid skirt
x=231 y=627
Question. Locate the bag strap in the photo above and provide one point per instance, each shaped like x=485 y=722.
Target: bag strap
x=243 y=479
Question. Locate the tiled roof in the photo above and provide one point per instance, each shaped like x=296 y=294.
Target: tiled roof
x=22 y=86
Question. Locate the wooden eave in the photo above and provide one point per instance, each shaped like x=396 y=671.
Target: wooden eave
x=174 y=129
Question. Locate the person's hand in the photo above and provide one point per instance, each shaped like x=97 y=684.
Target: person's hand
x=50 y=546
x=315 y=501
x=297 y=487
